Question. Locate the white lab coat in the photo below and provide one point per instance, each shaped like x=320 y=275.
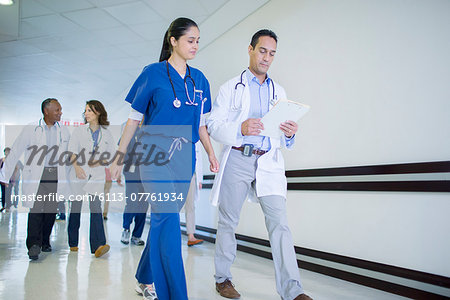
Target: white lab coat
x=229 y=110
x=194 y=193
x=198 y=168
x=34 y=134
x=82 y=139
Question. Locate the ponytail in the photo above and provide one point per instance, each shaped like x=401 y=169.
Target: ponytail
x=165 y=50
x=176 y=29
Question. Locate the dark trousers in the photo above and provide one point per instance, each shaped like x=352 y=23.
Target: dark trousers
x=139 y=223
x=6 y=196
x=3 y=196
x=136 y=208
x=42 y=216
x=97 y=236
x=62 y=210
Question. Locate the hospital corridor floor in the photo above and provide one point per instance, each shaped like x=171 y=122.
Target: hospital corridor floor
x=62 y=274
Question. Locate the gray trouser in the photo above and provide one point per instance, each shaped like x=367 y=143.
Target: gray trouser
x=239 y=174
x=189 y=206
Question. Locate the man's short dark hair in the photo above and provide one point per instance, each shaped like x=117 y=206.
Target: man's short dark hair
x=260 y=33
x=46 y=103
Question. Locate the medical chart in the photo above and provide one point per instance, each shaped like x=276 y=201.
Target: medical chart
x=282 y=111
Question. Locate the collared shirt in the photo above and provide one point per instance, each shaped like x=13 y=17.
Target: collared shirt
x=259 y=106
x=95 y=135
x=260 y=95
x=51 y=140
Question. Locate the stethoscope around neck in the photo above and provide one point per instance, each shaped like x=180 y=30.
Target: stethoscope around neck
x=190 y=102
x=99 y=138
x=41 y=126
x=241 y=82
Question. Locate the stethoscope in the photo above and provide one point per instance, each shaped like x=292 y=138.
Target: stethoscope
x=42 y=129
x=191 y=102
x=241 y=82
x=99 y=138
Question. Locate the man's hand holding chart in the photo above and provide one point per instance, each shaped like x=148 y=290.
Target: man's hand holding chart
x=284 y=110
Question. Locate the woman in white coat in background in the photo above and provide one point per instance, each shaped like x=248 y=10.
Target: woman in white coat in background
x=90 y=174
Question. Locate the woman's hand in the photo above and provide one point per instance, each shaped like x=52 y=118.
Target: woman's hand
x=115 y=169
x=213 y=163
x=80 y=172
x=127 y=135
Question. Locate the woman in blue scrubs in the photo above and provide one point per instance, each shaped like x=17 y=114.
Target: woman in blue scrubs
x=172 y=97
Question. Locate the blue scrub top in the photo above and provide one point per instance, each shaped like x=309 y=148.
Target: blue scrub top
x=152 y=95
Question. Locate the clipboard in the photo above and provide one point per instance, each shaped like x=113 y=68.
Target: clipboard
x=282 y=111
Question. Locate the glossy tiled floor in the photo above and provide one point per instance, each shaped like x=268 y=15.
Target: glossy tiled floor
x=65 y=275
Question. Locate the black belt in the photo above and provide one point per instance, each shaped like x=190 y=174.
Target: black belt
x=255 y=151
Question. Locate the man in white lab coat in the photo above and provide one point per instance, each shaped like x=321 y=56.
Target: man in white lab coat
x=44 y=174
x=253 y=166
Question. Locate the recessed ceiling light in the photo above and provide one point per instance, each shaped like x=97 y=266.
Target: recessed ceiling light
x=6 y=2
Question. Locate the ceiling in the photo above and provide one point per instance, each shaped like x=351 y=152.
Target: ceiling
x=76 y=50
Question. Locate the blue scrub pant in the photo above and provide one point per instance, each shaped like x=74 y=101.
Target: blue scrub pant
x=161 y=261
x=136 y=209
x=139 y=223
x=144 y=270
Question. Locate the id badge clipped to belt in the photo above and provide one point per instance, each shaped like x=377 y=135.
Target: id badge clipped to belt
x=248 y=150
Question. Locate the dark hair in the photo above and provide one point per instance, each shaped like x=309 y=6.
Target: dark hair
x=260 y=33
x=98 y=107
x=176 y=29
x=46 y=103
x=6 y=149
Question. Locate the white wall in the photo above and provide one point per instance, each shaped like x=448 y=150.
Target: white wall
x=376 y=75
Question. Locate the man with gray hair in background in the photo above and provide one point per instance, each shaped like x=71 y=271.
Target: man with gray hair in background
x=44 y=173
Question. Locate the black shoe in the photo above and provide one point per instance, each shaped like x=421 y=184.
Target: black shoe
x=33 y=252
x=46 y=248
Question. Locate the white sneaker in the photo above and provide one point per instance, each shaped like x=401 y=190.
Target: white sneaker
x=137 y=241
x=147 y=292
x=150 y=293
x=125 y=236
x=139 y=288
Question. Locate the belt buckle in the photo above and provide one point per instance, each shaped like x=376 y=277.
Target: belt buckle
x=248 y=150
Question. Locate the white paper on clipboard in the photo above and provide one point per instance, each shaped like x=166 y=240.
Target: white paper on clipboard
x=282 y=111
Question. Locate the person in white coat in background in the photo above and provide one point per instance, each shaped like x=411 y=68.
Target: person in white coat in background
x=92 y=137
x=44 y=175
x=192 y=196
x=253 y=166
